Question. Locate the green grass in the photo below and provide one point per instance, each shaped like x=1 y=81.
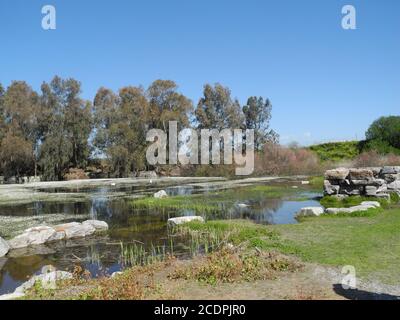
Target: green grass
x=335 y=202
x=337 y=151
x=192 y=202
x=370 y=243
x=317 y=183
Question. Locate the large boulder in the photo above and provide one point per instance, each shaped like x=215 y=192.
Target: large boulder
x=391 y=177
x=373 y=182
x=181 y=220
x=330 y=189
x=97 y=224
x=361 y=174
x=337 y=174
x=310 y=212
x=351 y=190
x=161 y=194
x=390 y=170
x=371 y=190
x=337 y=210
x=395 y=185
x=32 y=236
x=361 y=207
x=375 y=204
x=75 y=230
x=375 y=170
x=4 y=247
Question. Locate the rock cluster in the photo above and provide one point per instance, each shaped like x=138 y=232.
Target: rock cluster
x=45 y=234
x=374 y=181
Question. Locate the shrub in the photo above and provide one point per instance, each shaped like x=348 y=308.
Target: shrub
x=75 y=174
x=276 y=159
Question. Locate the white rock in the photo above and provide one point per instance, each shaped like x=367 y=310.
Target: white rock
x=75 y=230
x=337 y=174
x=59 y=235
x=242 y=205
x=4 y=247
x=161 y=194
x=48 y=280
x=182 y=220
x=375 y=204
x=97 y=224
x=32 y=236
x=361 y=207
x=115 y=274
x=305 y=182
x=395 y=185
x=310 y=212
x=330 y=189
x=337 y=210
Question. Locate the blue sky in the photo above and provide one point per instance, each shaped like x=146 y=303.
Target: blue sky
x=325 y=83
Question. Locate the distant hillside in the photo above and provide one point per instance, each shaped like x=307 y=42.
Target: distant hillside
x=336 y=151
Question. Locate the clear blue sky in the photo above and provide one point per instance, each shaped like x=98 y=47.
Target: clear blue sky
x=325 y=83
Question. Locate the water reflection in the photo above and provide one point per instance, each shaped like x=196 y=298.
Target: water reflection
x=101 y=254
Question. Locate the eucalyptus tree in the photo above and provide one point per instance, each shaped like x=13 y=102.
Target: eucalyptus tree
x=121 y=122
x=167 y=104
x=258 y=113
x=66 y=123
x=20 y=130
x=217 y=110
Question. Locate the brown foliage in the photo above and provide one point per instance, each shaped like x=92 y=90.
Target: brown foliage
x=75 y=174
x=276 y=159
x=373 y=158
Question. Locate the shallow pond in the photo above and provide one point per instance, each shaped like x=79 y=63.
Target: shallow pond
x=102 y=254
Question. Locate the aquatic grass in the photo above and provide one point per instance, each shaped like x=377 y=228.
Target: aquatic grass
x=215 y=202
x=317 y=182
x=175 y=203
x=136 y=255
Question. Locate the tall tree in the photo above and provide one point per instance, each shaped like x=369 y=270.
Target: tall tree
x=120 y=124
x=166 y=104
x=66 y=126
x=20 y=114
x=217 y=110
x=258 y=115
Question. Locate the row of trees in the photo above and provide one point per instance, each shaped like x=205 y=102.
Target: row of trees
x=49 y=132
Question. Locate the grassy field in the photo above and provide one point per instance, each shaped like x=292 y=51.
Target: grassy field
x=370 y=243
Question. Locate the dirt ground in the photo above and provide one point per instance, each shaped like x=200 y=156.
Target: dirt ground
x=312 y=282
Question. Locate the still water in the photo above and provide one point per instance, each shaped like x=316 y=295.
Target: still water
x=101 y=255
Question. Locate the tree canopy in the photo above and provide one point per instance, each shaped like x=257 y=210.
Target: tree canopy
x=55 y=130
